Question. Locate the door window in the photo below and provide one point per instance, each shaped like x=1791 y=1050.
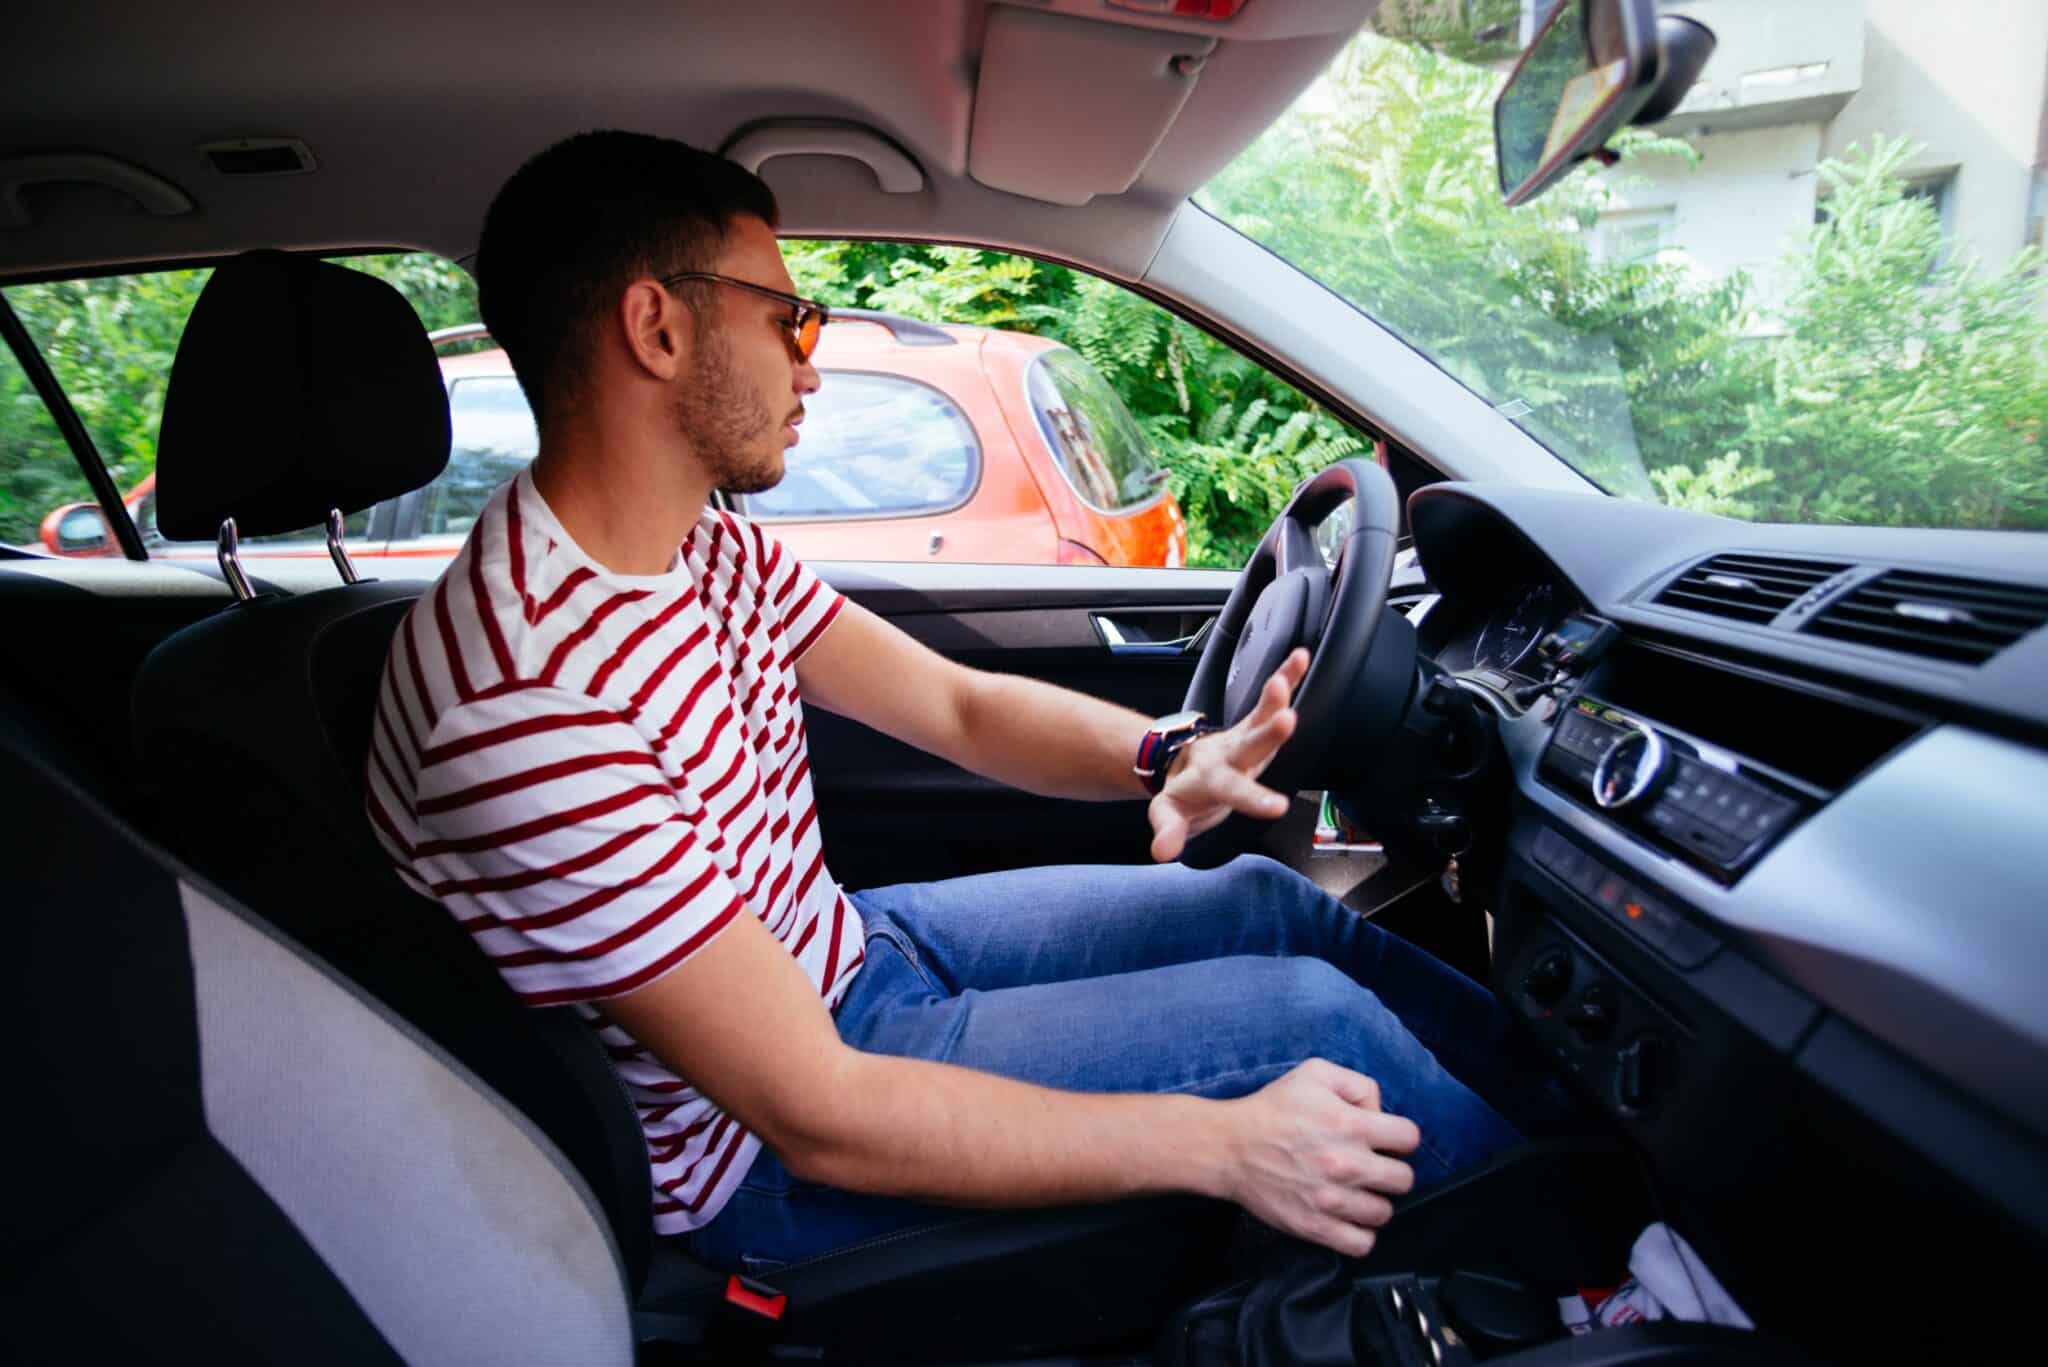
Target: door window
x=39 y=475
x=1110 y=431
x=110 y=341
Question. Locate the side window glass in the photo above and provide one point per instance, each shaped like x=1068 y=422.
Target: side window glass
x=873 y=446
x=1109 y=430
x=110 y=341
x=45 y=504
x=1091 y=434
x=494 y=439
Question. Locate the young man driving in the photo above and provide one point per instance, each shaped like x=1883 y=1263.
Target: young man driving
x=590 y=748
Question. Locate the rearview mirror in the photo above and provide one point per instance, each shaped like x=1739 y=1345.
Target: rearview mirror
x=77 y=529
x=1590 y=68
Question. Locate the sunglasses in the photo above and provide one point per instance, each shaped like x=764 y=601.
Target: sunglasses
x=807 y=319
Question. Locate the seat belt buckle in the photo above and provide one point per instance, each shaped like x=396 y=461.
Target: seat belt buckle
x=757 y=1298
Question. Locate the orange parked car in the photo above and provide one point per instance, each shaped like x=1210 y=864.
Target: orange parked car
x=924 y=443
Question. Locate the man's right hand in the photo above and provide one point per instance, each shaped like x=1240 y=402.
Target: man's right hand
x=1309 y=1156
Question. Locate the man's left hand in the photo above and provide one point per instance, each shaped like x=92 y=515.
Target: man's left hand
x=1217 y=774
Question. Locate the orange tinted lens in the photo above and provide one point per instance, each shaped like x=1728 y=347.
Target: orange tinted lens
x=809 y=324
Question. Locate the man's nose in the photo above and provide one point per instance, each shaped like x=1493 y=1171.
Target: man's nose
x=807 y=378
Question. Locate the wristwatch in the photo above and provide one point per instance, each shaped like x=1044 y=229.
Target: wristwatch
x=1163 y=740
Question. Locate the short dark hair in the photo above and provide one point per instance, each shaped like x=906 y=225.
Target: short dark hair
x=580 y=221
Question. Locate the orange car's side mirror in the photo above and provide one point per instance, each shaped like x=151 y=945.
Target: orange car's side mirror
x=78 y=529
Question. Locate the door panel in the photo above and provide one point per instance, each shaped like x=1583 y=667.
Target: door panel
x=893 y=814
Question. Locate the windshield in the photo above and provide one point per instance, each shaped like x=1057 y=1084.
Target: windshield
x=1813 y=294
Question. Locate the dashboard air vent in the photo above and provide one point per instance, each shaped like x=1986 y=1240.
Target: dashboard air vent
x=1748 y=588
x=1939 y=616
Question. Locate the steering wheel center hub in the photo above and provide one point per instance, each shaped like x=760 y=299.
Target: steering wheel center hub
x=1286 y=615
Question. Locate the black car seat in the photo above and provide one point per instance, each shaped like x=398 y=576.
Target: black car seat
x=295 y=392
x=221 y=1151
x=301 y=387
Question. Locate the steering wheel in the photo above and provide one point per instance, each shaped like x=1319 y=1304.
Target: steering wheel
x=1288 y=597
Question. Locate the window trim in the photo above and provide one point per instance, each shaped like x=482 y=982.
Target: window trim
x=1160 y=490
x=58 y=404
x=977 y=470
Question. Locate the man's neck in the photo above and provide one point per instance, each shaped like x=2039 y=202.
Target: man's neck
x=628 y=507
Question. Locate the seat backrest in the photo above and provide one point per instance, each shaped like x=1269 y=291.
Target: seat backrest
x=253 y=723
x=220 y=1150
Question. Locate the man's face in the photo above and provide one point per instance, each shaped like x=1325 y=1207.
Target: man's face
x=739 y=404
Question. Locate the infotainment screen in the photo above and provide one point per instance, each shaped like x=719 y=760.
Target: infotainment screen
x=1577 y=639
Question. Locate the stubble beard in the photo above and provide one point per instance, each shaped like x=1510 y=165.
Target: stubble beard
x=732 y=431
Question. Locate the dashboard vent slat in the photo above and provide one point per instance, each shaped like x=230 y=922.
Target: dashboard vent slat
x=1937 y=616
x=1746 y=588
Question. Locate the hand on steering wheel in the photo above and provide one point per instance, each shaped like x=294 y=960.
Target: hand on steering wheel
x=1217 y=774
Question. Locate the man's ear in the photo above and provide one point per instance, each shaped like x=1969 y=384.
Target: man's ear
x=656 y=327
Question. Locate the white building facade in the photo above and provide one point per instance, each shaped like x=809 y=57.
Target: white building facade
x=1793 y=82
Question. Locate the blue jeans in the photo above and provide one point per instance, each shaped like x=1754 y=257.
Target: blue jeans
x=1154 y=979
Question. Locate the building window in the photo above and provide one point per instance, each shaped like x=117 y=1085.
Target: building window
x=1634 y=234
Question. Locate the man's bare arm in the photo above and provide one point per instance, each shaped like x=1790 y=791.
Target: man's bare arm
x=1030 y=735
x=1043 y=739
x=1307 y=1154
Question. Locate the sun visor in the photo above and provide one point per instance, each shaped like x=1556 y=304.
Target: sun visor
x=1067 y=109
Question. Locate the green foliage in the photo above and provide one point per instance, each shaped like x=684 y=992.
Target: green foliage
x=1907 y=389
x=1717 y=488
x=1233 y=478
x=1888 y=384
x=37 y=473
x=441 y=292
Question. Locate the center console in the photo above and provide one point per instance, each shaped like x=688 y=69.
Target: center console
x=1702 y=804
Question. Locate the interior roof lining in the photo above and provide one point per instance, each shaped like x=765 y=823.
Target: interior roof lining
x=456 y=109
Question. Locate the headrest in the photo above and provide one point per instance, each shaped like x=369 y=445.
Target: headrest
x=299 y=386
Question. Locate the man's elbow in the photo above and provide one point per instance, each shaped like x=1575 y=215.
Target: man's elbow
x=969 y=695
x=812 y=1126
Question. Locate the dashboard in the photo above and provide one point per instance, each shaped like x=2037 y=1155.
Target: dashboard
x=1774 y=896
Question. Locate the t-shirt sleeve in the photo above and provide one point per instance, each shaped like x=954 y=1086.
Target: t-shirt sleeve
x=806 y=603
x=543 y=821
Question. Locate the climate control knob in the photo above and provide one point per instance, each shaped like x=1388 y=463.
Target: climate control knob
x=1549 y=977
x=1593 y=1015
x=1633 y=768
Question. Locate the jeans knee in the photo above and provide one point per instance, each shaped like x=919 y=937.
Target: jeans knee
x=1258 y=877
x=1319 y=1004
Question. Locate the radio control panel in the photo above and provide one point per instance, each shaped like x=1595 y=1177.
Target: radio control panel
x=1662 y=787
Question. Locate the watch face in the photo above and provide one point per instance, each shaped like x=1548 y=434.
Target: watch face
x=1178 y=721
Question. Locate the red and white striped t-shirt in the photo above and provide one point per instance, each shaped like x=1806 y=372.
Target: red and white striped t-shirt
x=595 y=772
